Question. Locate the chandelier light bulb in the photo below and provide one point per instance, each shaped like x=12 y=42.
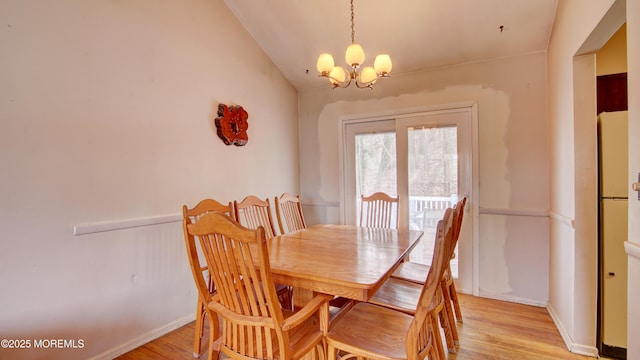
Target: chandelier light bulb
x=325 y=63
x=382 y=64
x=337 y=75
x=354 y=55
x=368 y=75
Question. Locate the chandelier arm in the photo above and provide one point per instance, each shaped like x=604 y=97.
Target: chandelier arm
x=343 y=84
x=337 y=83
x=364 y=86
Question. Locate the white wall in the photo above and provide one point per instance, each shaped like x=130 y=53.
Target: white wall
x=580 y=28
x=513 y=159
x=106 y=114
x=633 y=62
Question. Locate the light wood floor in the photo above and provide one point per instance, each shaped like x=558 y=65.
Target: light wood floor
x=492 y=329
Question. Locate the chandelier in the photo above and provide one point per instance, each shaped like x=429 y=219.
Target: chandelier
x=339 y=77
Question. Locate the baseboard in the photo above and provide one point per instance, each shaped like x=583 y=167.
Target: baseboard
x=585 y=350
x=579 y=349
x=145 y=338
x=513 y=299
x=463 y=290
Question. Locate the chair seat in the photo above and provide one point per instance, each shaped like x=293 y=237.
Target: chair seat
x=402 y=295
x=381 y=331
x=417 y=273
x=412 y=271
x=399 y=295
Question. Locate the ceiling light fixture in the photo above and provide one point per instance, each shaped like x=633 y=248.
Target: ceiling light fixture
x=340 y=77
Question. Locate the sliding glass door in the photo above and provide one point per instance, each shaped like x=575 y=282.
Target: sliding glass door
x=423 y=158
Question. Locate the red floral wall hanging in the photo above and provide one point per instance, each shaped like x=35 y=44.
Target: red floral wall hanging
x=232 y=125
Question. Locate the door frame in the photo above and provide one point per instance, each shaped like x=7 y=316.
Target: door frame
x=382 y=125
x=471 y=285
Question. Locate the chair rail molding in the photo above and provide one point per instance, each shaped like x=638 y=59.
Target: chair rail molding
x=111 y=225
x=562 y=219
x=632 y=249
x=514 y=212
x=320 y=203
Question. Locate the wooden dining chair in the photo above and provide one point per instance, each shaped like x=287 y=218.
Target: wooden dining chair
x=402 y=295
x=289 y=213
x=254 y=326
x=194 y=214
x=416 y=272
x=379 y=210
x=376 y=332
x=254 y=212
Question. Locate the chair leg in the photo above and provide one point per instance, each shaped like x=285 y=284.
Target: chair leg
x=437 y=339
x=290 y=292
x=285 y=296
x=448 y=309
x=199 y=331
x=454 y=298
x=444 y=320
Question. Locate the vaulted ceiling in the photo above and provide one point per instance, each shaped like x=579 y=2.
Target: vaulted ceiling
x=417 y=34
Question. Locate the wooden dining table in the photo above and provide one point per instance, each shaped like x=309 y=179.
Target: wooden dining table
x=341 y=260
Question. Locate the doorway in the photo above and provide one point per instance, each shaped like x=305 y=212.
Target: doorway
x=612 y=106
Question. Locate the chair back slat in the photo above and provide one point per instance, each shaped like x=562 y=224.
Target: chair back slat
x=379 y=210
x=254 y=212
x=203 y=207
x=289 y=213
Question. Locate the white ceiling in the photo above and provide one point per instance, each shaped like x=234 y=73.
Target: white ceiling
x=417 y=34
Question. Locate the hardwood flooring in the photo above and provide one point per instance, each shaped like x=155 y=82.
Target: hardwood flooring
x=492 y=329
x=495 y=329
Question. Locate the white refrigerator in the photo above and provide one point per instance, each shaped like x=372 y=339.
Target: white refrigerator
x=613 y=155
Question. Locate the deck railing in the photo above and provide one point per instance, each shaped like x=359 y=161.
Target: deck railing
x=425 y=211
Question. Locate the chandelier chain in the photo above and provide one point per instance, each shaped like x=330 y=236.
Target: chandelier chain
x=353 y=31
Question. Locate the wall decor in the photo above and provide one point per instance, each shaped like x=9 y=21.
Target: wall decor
x=232 y=125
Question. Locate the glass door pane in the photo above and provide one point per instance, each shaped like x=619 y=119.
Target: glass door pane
x=375 y=164
x=432 y=183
